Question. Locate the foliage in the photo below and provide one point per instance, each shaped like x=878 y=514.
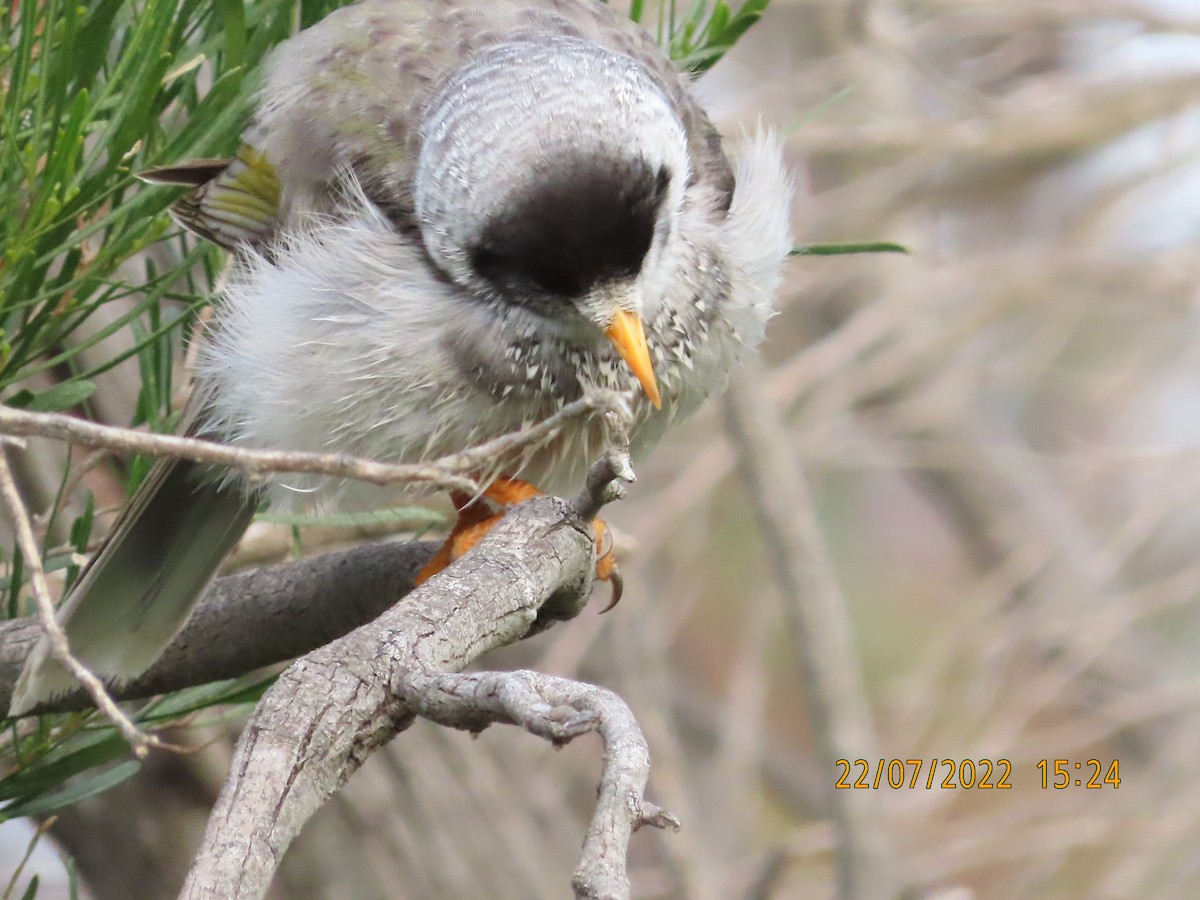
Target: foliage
x=698 y=40
x=92 y=94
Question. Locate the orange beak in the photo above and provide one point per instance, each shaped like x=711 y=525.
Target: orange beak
x=629 y=338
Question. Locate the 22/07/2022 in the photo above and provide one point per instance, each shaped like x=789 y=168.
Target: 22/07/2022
x=980 y=774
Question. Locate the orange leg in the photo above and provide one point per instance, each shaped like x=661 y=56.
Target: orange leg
x=470 y=517
x=476 y=519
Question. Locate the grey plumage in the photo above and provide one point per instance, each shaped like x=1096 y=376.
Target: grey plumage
x=437 y=213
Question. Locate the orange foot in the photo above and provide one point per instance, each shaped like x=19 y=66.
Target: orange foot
x=475 y=519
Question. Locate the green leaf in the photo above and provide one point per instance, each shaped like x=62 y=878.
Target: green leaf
x=97 y=749
x=232 y=692
x=718 y=35
x=848 y=249
x=16 y=578
x=233 y=14
x=86 y=788
x=741 y=21
x=81 y=528
x=55 y=399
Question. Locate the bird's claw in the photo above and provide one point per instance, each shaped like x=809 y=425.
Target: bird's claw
x=606 y=563
x=618 y=588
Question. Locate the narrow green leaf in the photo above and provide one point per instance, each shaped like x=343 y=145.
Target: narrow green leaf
x=741 y=21
x=58 y=503
x=847 y=249
x=233 y=15
x=192 y=700
x=137 y=109
x=16 y=577
x=94 y=40
x=85 y=752
x=698 y=47
x=69 y=144
x=81 y=528
x=61 y=396
x=87 y=788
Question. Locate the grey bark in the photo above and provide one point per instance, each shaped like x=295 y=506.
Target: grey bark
x=339 y=704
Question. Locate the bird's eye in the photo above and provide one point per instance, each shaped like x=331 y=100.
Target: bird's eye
x=662 y=181
x=590 y=221
x=486 y=260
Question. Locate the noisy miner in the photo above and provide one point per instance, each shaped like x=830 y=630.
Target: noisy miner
x=448 y=219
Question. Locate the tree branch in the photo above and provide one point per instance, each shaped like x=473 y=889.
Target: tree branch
x=252 y=619
x=336 y=706
x=453 y=472
x=560 y=710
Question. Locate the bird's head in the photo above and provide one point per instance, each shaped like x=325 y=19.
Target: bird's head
x=551 y=177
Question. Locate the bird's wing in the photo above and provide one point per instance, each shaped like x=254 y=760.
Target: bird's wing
x=233 y=201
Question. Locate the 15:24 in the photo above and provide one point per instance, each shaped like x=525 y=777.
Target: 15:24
x=1063 y=777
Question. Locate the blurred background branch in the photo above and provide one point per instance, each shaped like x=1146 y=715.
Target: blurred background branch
x=818 y=627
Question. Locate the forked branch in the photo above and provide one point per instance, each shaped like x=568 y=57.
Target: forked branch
x=336 y=706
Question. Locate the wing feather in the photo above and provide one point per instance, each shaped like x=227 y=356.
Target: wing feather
x=233 y=202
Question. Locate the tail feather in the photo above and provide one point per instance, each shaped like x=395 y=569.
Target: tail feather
x=142 y=584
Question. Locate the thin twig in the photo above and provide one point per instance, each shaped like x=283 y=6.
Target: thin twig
x=139 y=741
x=445 y=473
x=42 y=828
x=615 y=404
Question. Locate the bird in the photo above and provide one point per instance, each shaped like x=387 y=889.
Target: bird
x=446 y=220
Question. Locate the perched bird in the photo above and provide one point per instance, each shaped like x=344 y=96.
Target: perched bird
x=448 y=219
